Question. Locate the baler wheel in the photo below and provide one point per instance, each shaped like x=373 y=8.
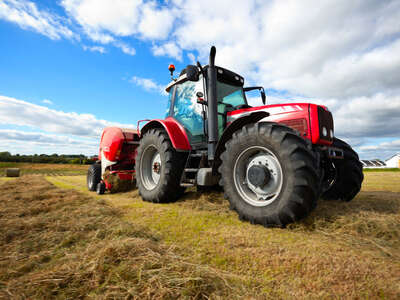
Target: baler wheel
x=349 y=174
x=93 y=176
x=101 y=188
x=269 y=174
x=159 y=168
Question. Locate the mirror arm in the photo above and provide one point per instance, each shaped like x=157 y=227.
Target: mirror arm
x=260 y=88
x=200 y=67
x=251 y=88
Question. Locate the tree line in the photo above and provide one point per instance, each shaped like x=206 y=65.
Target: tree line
x=44 y=158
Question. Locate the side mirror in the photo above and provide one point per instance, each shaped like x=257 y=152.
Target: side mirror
x=263 y=98
x=192 y=73
x=260 y=88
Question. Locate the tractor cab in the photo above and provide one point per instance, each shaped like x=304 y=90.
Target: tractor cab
x=187 y=102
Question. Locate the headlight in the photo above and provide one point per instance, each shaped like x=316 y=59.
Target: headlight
x=324 y=131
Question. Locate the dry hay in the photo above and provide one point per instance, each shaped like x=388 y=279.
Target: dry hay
x=61 y=244
x=12 y=172
x=118 y=185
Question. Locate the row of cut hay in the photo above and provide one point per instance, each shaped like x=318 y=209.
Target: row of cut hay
x=58 y=243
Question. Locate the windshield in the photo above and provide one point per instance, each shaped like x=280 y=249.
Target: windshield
x=230 y=94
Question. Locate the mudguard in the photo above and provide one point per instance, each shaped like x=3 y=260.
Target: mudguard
x=230 y=129
x=176 y=132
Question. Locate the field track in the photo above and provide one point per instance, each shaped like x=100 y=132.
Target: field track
x=349 y=250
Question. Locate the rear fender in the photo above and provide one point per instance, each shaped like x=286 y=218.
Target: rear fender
x=228 y=133
x=176 y=132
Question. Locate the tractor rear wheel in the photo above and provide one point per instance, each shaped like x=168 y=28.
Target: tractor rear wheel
x=349 y=174
x=159 y=168
x=269 y=174
x=93 y=176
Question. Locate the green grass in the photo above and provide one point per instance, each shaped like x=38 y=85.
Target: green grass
x=381 y=170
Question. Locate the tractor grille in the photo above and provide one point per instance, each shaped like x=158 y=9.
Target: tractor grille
x=325 y=120
x=297 y=124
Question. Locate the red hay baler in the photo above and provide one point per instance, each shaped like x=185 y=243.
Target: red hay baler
x=273 y=161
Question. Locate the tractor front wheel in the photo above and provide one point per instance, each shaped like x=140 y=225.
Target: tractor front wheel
x=158 y=168
x=269 y=174
x=349 y=174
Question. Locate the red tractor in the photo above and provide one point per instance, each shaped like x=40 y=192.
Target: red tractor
x=272 y=161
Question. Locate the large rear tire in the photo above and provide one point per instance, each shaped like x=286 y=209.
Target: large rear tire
x=159 y=168
x=349 y=174
x=288 y=189
x=93 y=176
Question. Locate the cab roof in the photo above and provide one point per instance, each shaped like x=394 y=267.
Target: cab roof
x=223 y=75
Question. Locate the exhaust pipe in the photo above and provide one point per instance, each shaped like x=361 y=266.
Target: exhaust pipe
x=212 y=105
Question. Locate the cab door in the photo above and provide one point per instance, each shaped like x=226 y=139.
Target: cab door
x=187 y=111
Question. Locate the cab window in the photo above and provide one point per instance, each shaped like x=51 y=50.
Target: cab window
x=187 y=111
x=230 y=94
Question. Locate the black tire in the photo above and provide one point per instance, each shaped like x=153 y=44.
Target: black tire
x=349 y=174
x=299 y=183
x=100 y=188
x=93 y=176
x=168 y=188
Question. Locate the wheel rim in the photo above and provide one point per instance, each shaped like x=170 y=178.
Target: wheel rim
x=150 y=167
x=267 y=191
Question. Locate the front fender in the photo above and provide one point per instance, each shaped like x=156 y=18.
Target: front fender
x=175 y=131
x=228 y=132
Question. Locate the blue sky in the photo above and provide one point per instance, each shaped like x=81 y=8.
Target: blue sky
x=70 y=67
x=34 y=68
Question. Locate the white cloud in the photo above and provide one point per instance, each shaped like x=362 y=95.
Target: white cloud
x=47 y=101
x=28 y=16
x=324 y=49
x=44 y=138
x=192 y=58
x=125 y=48
x=168 y=49
x=35 y=143
x=118 y=17
x=155 y=23
x=99 y=49
x=148 y=84
x=22 y=113
x=89 y=15
x=382 y=150
x=376 y=116
x=105 y=21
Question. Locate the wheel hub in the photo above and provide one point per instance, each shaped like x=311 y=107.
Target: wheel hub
x=157 y=167
x=258 y=175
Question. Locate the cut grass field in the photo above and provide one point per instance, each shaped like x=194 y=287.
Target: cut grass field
x=44 y=169
x=194 y=248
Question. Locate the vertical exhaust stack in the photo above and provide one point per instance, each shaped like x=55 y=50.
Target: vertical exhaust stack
x=212 y=105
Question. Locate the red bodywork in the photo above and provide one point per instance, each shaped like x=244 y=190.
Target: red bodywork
x=176 y=132
x=302 y=117
x=119 y=145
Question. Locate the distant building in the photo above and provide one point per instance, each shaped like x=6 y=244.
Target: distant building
x=394 y=161
x=373 y=163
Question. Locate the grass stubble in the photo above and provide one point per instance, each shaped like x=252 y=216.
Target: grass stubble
x=61 y=244
x=117 y=246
